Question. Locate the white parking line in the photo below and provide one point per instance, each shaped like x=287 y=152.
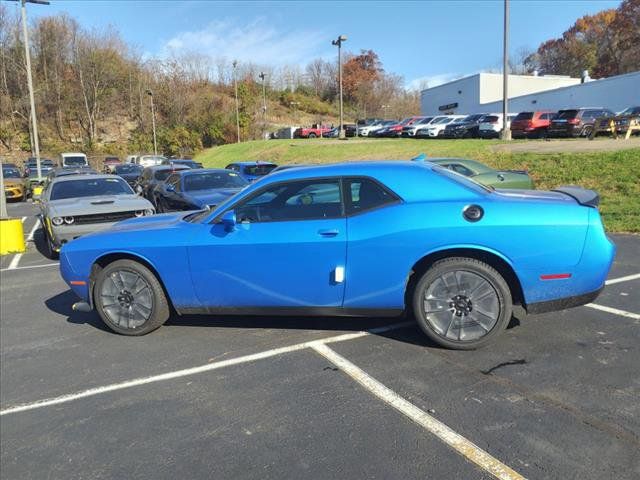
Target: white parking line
x=23 y=219
x=615 y=311
x=456 y=441
x=30 y=266
x=622 y=279
x=16 y=258
x=194 y=370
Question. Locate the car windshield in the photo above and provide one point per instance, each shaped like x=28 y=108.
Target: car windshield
x=75 y=161
x=631 y=111
x=211 y=180
x=473 y=118
x=406 y=121
x=258 y=170
x=10 y=172
x=564 y=114
x=89 y=187
x=459 y=120
x=128 y=168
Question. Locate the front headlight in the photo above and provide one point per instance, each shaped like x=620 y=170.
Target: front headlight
x=149 y=211
x=68 y=220
x=57 y=221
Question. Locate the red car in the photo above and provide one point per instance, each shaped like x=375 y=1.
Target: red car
x=109 y=163
x=313 y=132
x=531 y=124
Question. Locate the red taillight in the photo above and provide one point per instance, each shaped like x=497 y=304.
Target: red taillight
x=573 y=121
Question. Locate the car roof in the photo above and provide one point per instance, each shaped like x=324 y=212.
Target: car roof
x=199 y=171
x=155 y=168
x=68 y=178
x=355 y=168
x=247 y=164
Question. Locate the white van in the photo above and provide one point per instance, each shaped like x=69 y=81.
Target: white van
x=73 y=159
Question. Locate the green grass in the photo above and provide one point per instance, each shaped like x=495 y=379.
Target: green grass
x=615 y=175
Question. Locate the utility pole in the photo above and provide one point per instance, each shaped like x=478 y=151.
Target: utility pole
x=338 y=43
x=153 y=122
x=235 y=86
x=506 y=131
x=262 y=76
x=3 y=198
x=27 y=56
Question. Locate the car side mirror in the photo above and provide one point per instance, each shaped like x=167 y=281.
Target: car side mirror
x=139 y=189
x=229 y=220
x=170 y=188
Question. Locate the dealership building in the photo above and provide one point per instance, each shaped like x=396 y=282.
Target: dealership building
x=482 y=93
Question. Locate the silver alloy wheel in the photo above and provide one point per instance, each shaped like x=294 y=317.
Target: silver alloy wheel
x=461 y=305
x=127 y=298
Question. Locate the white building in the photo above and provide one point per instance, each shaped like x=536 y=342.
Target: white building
x=482 y=93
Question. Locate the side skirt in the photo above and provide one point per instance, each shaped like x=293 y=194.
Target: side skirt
x=292 y=311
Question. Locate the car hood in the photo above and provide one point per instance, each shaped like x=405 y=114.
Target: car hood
x=152 y=222
x=212 y=197
x=97 y=204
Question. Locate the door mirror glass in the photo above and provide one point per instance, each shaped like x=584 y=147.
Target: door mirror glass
x=138 y=189
x=228 y=219
x=170 y=188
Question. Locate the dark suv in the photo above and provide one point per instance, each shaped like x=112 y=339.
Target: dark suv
x=576 y=122
x=467 y=128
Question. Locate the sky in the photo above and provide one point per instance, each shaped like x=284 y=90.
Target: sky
x=432 y=41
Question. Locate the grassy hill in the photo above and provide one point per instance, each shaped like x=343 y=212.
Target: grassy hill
x=614 y=174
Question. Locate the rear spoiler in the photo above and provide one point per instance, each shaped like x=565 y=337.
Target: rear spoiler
x=585 y=197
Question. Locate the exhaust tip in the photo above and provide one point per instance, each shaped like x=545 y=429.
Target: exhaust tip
x=81 y=307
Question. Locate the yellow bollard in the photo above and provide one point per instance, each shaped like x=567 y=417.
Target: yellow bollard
x=11 y=236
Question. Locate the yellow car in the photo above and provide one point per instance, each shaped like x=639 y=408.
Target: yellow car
x=13 y=184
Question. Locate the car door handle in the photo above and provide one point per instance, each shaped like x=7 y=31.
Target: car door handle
x=328 y=232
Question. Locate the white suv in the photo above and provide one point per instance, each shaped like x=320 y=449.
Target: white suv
x=491 y=125
x=150 y=160
x=436 y=127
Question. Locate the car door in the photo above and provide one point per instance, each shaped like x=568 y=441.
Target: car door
x=287 y=249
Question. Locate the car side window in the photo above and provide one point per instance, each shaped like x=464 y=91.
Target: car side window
x=365 y=194
x=297 y=200
x=174 y=179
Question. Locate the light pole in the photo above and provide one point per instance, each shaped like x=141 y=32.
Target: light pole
x=27 y=56
x=153 y=122
x=235 y=86
x=338 y=43
x=506 y=131
x=262 y=76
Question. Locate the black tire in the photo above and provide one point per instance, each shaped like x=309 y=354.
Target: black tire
x=312 y=135
x=49 y=249
x=158 y=205
x=459 y=303
x=116 y=275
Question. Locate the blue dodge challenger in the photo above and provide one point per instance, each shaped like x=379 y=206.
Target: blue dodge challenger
x=354 y=239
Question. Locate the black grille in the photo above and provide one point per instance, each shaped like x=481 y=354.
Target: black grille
x=104 y=217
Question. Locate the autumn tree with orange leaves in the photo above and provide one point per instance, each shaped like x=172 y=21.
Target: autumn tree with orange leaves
x=606 y=43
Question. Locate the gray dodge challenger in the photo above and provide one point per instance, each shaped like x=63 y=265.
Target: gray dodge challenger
x=75 y=205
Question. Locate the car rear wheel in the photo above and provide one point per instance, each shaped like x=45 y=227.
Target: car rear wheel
x=312 y=135
x=462 y=303
x=129 y=298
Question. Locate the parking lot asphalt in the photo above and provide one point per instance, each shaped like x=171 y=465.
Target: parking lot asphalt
x=557 y=396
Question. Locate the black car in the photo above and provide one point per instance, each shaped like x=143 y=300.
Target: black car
x=197 y=189
x=467 y=128
x=576 y=122
x=31 y=164
x=153 y=176
x=130 y=172
x=182 y=161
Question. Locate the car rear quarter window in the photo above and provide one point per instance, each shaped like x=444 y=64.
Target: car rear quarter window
x=458 y=168
x=364 y=194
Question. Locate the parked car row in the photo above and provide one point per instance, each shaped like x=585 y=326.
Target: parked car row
x=575 y=122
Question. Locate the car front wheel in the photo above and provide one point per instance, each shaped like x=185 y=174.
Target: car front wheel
x=129 y=298
x=462 y=303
